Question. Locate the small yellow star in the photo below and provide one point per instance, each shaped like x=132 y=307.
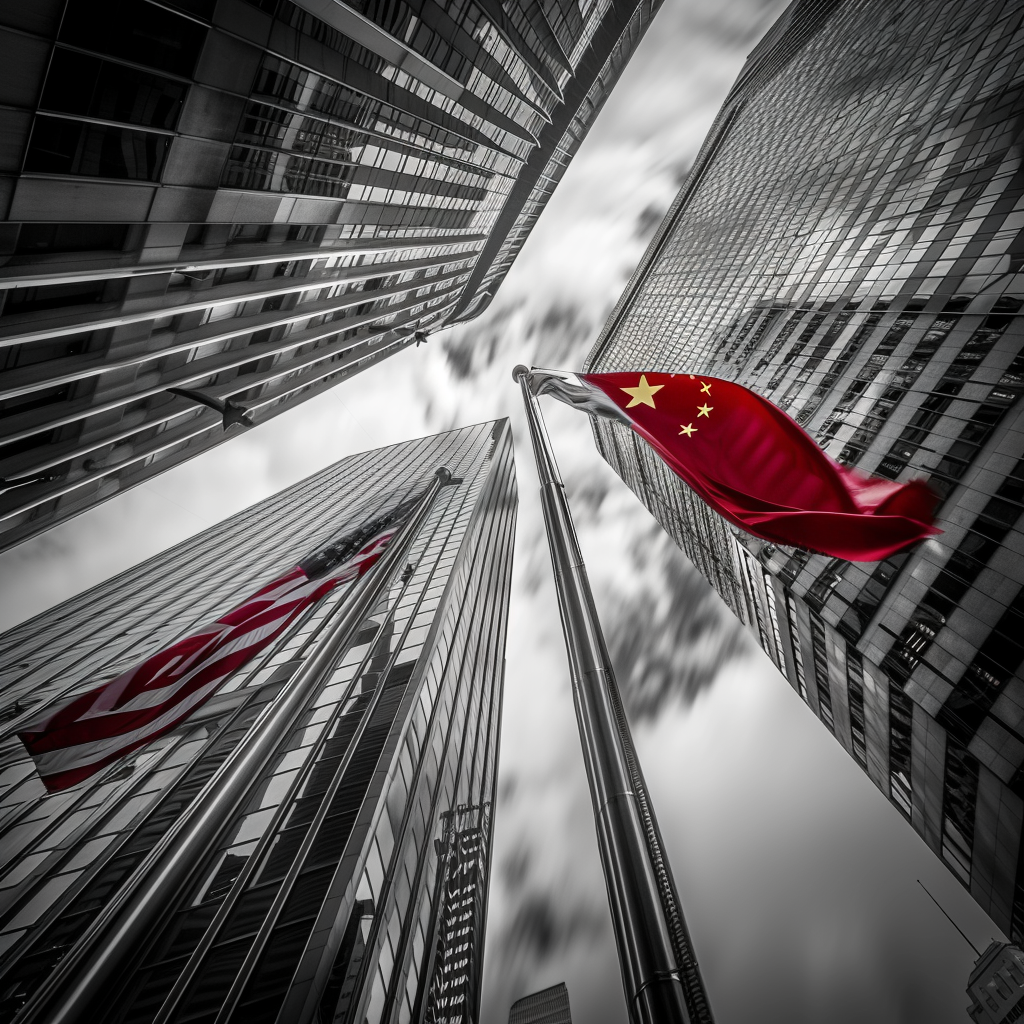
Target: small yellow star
x=643 y=393
x=688 y=430
x=704 y=410
x=706 y=388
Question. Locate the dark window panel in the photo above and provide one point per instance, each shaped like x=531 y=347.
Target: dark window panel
x=60 y=146
x=959 y=797
x=136 y=31
x=78 y=83
x=40 y=239
x=901 y=713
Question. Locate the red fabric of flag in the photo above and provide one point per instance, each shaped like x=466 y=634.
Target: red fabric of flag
x=759 y=469
x=72 y=742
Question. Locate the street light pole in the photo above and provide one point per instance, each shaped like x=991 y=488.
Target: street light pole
x=660 y=976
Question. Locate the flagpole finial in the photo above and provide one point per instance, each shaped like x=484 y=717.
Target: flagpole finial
x=443 y=474
x=520 y=371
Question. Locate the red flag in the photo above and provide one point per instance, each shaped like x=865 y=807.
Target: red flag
x=754 y=465
x=76 y=740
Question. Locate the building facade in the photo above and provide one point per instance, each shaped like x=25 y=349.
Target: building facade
x=849 y=244
x=549 y=1006
x=996 y=985
x=251 y=200
x=349 y=882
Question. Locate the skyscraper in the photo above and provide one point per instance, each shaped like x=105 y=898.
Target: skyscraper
x=347 y=881
x=995 y=985
x=848 y=244
x=548 y=1006
x=251 y=200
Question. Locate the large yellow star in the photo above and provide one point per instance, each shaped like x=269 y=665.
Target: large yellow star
x=704 y=410
x=688 y=430
x=643 y=393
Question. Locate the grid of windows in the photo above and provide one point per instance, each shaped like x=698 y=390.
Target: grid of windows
x=901 y=726
x=820 y=656
x=855 y=695
x=959 y=798
x=322 y=883
x=794 y=639
x=773 y=620
x=848 y=244
x=226 y=207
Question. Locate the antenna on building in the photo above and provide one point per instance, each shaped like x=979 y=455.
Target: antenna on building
x=977 y=952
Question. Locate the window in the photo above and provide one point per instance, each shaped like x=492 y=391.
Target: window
x=959 y=798
x=901 y=714
x=53 y=296
x=821 y=672
x=755 y=604
x=855 y=690
x=78 y=83
x=773 y=618
x=135 y=31
x=62 y=146
x=794 y=639
x=37 y=239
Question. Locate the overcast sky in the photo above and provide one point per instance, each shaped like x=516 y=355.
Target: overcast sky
x=797 y=876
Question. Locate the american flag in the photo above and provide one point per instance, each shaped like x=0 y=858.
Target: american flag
x=72 y=742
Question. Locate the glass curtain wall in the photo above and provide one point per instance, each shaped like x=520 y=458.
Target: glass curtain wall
x=849 y=244
x=211 y=210
x=326 y=893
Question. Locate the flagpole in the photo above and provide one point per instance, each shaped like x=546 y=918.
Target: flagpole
x=660 y=976
x=71 y=988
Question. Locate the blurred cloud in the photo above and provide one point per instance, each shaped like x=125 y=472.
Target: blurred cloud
x=670 y=640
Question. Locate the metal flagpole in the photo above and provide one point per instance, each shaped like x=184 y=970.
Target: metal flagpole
x=70 y=989
x=660 y=975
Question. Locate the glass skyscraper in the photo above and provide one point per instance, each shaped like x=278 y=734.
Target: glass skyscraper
x=348 y=883
x=549 y=1006
x=850 y=244
x=252 y=200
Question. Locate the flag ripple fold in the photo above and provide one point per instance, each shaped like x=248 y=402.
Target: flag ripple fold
x=753 y=464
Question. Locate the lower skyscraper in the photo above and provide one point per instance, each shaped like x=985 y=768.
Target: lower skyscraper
x=548 y=1006
x=311 y=842
x=850 y=245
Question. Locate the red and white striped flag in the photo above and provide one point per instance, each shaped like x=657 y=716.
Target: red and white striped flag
x=76 y=740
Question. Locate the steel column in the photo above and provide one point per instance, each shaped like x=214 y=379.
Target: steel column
x=660 y=976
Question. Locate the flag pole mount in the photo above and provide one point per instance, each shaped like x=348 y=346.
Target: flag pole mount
x=660 y=977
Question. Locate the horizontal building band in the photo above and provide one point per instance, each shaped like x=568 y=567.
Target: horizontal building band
x=203 y=367
x=225 y=295
x=33 y=275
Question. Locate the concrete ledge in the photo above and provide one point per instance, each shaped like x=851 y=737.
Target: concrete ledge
x=67 y=199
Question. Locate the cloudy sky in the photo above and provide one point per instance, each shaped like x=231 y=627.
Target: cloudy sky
x=797 y=876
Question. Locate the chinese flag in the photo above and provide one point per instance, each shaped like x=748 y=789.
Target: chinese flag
x=759 y=469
